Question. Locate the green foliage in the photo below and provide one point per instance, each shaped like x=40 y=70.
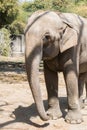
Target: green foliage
x=4 y=42
x=22 y=16
x=79 y=7
x=45 y=5
x=74 y=6
x=14 y=15
x=19 y=23
x=59 y=5
x=17 y=27
x=8 y=12
x=79 y=1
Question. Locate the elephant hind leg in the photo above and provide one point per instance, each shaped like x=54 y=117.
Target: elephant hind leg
x=51 y=79
x=85 y=100
x=81 y=88
x=82 y=85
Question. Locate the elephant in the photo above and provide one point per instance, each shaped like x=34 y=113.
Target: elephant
x=83 y=83
x=60 y=40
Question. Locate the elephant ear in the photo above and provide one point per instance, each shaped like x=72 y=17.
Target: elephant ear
x=69 y=38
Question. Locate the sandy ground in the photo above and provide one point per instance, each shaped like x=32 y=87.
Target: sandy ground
x=17 y=107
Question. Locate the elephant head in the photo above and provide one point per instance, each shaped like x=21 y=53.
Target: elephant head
x=46 y=34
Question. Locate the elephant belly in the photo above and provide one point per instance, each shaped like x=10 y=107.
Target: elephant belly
x=83 y=67
x=83 y=62
x=83 y=77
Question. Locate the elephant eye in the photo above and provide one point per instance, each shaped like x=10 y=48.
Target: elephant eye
x=47 y=38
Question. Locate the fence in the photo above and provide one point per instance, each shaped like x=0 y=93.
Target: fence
x=17 y=45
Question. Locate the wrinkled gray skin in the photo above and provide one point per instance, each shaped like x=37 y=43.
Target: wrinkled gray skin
x=60 y=39
x=82 y=85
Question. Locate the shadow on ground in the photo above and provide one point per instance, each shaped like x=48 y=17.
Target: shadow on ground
x=24 y=114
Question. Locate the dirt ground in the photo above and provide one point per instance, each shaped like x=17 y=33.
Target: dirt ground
x=17 y=107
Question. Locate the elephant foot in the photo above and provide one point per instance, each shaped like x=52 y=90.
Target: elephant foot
x=54 y=113
x=74 y=117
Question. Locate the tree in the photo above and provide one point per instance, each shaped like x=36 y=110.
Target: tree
x=4 y=42
x=45 y=5
x=8 y=12
x=17 y=27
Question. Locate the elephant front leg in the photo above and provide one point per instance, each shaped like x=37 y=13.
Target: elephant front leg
x=74 y=115
x=85 y=100
x=51 y=79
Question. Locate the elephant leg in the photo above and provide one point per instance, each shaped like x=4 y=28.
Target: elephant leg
x=74 y=115
x=51 y=79
x=85 y=100
x=81 y=88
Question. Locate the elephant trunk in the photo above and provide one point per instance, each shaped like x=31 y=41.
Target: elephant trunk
x=33 y=58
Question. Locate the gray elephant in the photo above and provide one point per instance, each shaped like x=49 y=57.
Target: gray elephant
x=82 y=85
x=60 y=39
